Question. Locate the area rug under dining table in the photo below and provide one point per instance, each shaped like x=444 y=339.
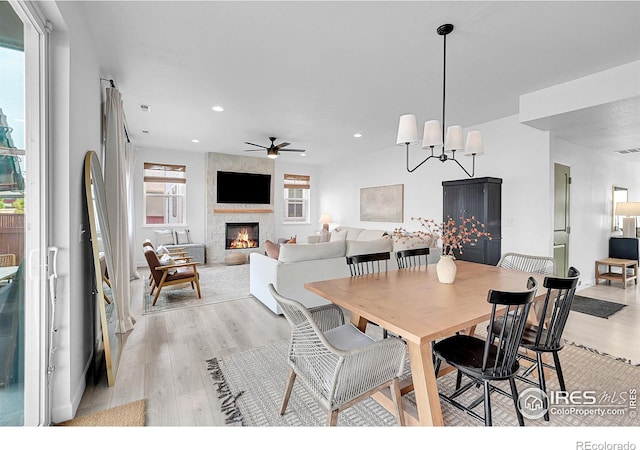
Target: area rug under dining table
x=251 y=385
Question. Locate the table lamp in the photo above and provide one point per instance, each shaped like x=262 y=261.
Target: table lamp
x=325 y=220
x=630 y=210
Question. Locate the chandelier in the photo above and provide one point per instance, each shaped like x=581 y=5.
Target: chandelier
x=433 y=130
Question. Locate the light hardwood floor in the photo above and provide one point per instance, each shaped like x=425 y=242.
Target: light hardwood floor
x=163 y=358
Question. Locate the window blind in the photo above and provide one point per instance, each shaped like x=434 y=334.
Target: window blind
x=297 y=181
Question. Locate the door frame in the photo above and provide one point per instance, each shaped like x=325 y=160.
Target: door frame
x=37 y=310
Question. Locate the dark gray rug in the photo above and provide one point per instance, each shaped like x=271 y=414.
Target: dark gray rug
x=251 y=384
x=595 y=307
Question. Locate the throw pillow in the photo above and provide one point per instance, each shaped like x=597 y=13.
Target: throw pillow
x=338 y=236
x=162 y=250
x=292 y=240
x=325 y=236
x=273 y=249
x=182 y=237
x=164 y=237
x=167 y=260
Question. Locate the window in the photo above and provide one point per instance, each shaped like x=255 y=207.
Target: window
x=164 y=194
x=296 y=198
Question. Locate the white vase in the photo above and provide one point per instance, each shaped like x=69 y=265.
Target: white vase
x=446 y=269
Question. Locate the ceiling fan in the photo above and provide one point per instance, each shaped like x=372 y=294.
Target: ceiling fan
x=274 y=150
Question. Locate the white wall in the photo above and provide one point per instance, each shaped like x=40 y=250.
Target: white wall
x=75 y=129
x=196 y=195
x=592 y=177
x=516 y=153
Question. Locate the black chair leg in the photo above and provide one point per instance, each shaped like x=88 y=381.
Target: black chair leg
x=514 y=394
x=487 y=404
x=543 y=387
x=438 y=361
x=556 y=361
x=458 y=380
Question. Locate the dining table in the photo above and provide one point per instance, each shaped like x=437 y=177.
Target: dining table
x=413 y=304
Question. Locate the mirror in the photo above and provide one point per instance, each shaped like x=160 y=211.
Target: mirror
x=619 y=194
x=103 y=265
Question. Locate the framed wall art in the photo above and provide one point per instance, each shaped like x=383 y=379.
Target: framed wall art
x=382 y=203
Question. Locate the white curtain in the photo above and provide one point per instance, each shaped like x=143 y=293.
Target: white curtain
x=130 y=156
x=115 y=176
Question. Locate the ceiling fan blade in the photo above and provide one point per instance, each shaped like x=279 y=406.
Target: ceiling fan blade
x=251 y=143
x=284 y=144
x=255 y=150
x=292 y=150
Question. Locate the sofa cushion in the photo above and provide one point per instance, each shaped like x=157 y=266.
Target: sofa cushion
x=306 y=252
x=365 y=247
x=314 y=239
x=407 y=242
x=369 y=235
x=352 y=233
x=272 y=249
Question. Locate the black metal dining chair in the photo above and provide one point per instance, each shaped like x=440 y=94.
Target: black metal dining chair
x=490 y=360
x=366 y=264
x=413 y=257
x=546 y=336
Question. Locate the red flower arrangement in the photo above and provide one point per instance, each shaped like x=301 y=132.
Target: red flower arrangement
x=450 y=235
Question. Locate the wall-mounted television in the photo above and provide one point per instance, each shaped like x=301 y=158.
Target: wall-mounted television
x=240 y=187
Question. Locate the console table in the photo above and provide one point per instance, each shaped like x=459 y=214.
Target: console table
x=623 y=276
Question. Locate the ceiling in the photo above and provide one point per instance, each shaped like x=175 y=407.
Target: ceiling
x=315 y=73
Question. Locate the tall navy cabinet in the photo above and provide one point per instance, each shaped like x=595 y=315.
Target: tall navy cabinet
x=482 y=198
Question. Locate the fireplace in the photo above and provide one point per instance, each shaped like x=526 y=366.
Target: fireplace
x=241 y=235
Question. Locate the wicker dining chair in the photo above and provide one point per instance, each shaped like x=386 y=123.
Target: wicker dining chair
x=545 y=265
x=7 y=260
x=337 y=363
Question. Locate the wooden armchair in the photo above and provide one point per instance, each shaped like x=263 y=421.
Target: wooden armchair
x=185 y=272
x=178 y=254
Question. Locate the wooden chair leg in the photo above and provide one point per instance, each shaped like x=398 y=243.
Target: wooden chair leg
x=155 y=299
x=396 y=396
x=332 y=418
x=291 y=378
x=197 y=281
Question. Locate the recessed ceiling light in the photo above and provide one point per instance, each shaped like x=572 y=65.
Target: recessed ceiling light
x=218 y=108
x=303 y=154
x=357 y=135
x=195 y=141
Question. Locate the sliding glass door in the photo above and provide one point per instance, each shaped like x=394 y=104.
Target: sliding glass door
x=24 y=313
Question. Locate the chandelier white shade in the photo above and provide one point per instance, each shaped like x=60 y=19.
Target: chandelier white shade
x=407 y=130
x=432 y=136
x=474 y=144
x=434 y=130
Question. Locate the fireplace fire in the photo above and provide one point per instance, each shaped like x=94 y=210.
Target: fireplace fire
x=241 y=235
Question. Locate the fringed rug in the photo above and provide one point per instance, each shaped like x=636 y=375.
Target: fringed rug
x=218 y=283
x=251 y=385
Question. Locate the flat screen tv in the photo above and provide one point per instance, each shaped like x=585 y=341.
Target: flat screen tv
x=240 y=187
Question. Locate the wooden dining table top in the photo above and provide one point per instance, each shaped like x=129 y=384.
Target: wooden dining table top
x=414 y=304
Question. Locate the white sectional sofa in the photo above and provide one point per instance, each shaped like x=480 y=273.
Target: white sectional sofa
x=298 y=264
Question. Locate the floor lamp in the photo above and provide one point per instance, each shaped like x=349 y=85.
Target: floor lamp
x=630 y=210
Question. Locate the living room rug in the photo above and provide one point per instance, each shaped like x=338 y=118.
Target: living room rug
x=218 y=283
x=253 y=384
x=595 y=307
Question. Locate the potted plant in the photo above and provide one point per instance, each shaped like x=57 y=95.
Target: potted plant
x=450 y=236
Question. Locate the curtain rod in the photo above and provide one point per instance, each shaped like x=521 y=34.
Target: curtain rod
x=113 y=85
